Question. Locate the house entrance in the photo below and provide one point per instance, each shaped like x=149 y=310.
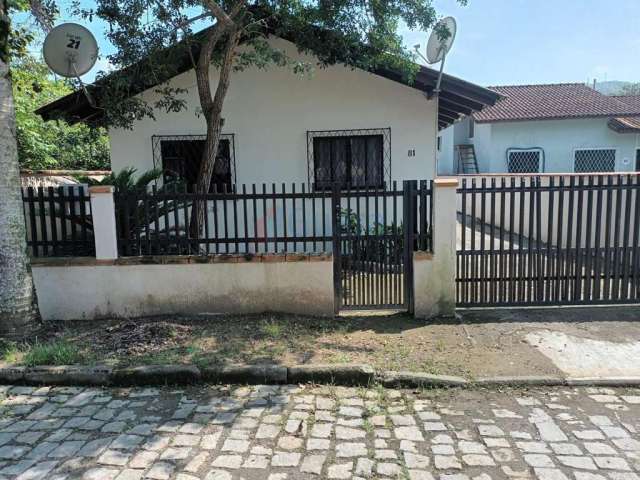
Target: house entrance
x=375 y=234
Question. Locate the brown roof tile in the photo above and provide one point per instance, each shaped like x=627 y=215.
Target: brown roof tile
x=633 y=100
x=553 y=101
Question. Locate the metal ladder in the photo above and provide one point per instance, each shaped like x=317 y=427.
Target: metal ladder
x=467 y=162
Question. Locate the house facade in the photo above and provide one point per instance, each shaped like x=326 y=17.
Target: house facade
x=562 y=128
x=364 y=129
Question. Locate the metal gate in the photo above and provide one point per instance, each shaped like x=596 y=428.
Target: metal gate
x=375 y=234
x=548 y=240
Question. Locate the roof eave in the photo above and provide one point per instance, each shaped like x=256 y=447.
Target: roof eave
x=560 y=117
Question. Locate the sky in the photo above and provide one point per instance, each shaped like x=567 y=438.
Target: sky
x=506 y=42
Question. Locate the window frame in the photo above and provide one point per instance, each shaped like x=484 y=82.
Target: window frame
x=385 y=133
x=539 y=150
x=156 y=144
x=582 y=149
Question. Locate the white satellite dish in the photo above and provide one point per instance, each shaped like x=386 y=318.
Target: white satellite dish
x=441 y=39
x=70 y=50
x=439 y=44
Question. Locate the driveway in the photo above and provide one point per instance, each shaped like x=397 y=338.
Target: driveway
x=289 y=432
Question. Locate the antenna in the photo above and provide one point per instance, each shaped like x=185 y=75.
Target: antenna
x=439 y=43
x=71 y=50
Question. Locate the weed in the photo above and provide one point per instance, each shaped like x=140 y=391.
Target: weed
x=368 y=427
x=58 y=352
x=11 y=352
x=430 y=366
x=271 y=328
x=341 y=357
x=440 y=345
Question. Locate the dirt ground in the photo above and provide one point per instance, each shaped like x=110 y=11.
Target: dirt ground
x=475 y=343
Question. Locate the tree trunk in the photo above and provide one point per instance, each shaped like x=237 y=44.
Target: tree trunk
x=19 y=315
x=212 y=111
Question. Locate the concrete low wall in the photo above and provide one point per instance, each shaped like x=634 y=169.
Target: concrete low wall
x=84 y=289
x=434 y=287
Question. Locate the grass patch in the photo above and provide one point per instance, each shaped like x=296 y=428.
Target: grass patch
x=58 y=352
x=11 y=352
x=271 y=328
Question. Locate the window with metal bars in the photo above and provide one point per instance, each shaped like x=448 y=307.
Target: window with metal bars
x=594 y=160
x=180 y=157
x=352 y=161
x=528 y=160
x=352 y=158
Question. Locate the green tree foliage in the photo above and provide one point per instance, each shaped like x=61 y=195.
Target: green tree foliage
x=153 y=38
x=631 y=89
x=53 y=144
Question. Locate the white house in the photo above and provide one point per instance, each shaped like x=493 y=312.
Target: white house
x=559 y=128
x=337 y=124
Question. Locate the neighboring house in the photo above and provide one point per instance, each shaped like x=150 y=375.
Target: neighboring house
x=362 y=128
x=58 y=178
x=559 y=128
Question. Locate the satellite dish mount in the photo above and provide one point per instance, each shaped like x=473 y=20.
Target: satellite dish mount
x=70 y=50
x=438 y=46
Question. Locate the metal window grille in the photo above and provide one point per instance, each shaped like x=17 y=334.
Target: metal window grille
x=595 y=160
x=524 y=161
x=356 y=158
x=179 y=156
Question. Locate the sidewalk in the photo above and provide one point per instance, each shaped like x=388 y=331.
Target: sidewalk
x=306 y=433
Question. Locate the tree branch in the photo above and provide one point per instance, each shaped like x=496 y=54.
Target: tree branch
x=219 y=12
x=202 y=66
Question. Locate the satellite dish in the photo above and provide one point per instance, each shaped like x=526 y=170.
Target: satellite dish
x=70 y=50
x=439 y=44
x=441 y=39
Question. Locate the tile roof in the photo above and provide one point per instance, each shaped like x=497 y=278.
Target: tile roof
x=553 y=101
x=627 y=124
x=633 y=100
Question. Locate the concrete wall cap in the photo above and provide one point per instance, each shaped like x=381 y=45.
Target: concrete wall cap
x=445 y=182
x=101 y=189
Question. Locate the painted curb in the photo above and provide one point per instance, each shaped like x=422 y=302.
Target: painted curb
x=68 y=375
x=250 y=374
x=413 y=379
x=12 y=375
x=604 y=381
x=530 y=380
x=334 y=374
x=156 y=375
x=277 y=374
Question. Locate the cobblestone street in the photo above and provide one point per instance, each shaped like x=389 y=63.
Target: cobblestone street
x=278 y=433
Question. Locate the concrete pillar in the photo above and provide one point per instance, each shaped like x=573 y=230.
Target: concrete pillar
x=435 y=274
x=104 y=222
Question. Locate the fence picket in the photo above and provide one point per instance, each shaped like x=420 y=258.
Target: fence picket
x=576 y=242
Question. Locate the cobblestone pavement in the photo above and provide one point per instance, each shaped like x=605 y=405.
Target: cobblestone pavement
x=278 y=433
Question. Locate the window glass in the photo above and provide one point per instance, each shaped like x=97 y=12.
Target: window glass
x=353 y=161
x=595 y=160
x=181 y=159
x=524 y=161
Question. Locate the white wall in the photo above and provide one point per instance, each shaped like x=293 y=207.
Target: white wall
x=95 y=291
x=270 y=111
x=558 y=139
x=446 y=161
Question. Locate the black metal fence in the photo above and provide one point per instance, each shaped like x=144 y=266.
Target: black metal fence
x=252 y=219
x=58 y=221
x=373 y=261
x=549 y=240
